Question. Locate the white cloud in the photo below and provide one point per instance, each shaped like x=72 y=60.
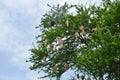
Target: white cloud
x=38 y=7
x=19 y=3
x=22 y=6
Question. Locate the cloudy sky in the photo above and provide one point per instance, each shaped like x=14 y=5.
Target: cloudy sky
x=18 y=19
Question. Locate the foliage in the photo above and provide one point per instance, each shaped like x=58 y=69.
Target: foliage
x=87 y=41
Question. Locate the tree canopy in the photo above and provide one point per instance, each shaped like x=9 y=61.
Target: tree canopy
x=87 y=41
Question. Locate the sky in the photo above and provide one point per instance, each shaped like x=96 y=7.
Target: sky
x=18 y=19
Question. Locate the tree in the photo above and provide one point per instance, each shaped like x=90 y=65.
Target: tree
x=88 y=41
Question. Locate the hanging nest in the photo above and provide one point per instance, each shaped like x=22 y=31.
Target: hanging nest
x=82 y=29
x=67 y=23
x=55 y=68
x=60 y=42
x=93 y=30
x=44 y=58
x=65 y=66
x=88 y=78
x=84 y=34
x=51 y=47
x=45 y=43
x=76 y=35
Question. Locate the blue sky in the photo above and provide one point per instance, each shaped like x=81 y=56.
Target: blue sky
x=18 y=19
